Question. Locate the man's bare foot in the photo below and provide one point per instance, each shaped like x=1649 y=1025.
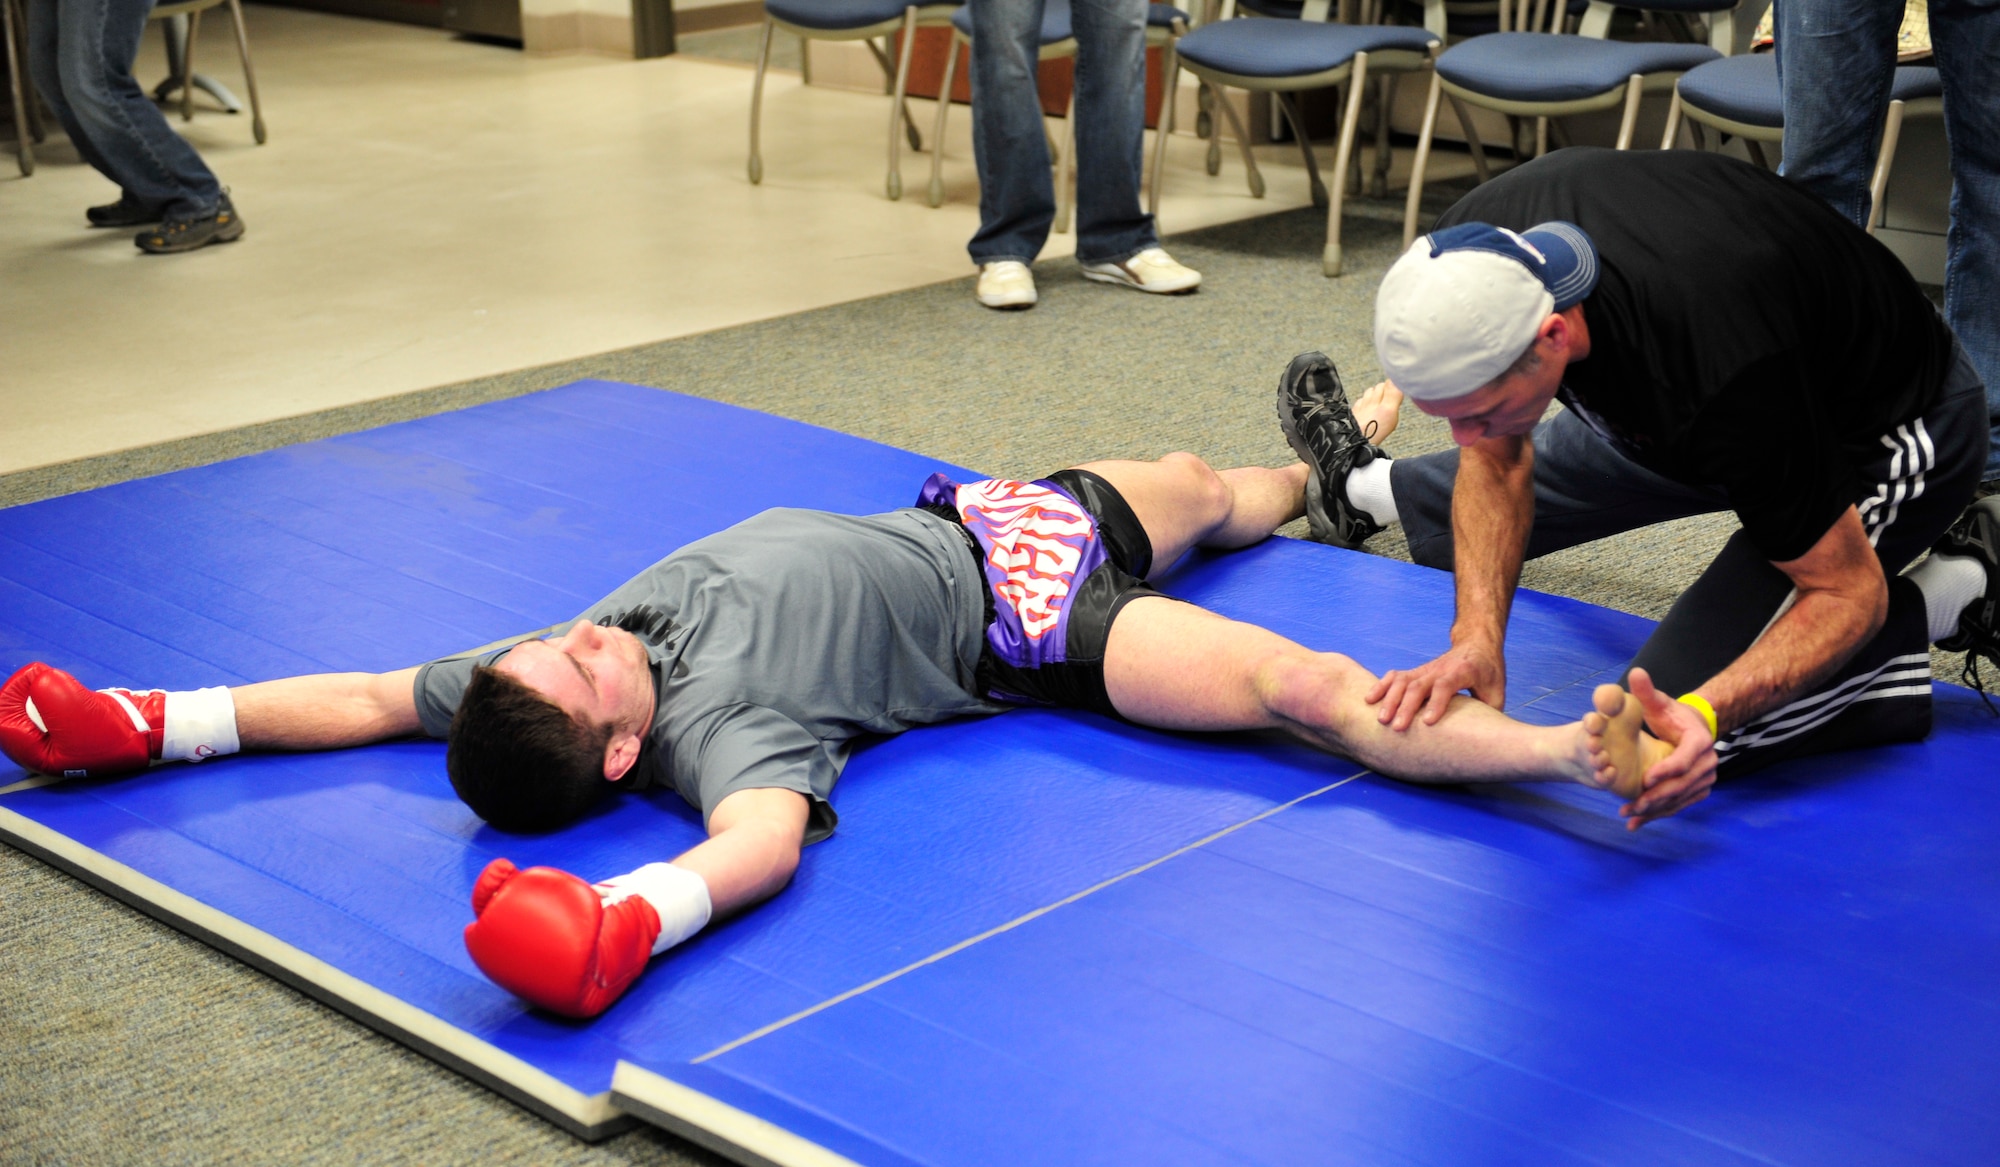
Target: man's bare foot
x=1381 y=407
x=1615 y=741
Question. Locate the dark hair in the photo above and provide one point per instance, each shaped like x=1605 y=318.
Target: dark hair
x=1529 y=361
x=518 y=760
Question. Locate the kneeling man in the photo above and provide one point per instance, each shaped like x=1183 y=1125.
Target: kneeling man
x=1720 y=340
x=740 y=669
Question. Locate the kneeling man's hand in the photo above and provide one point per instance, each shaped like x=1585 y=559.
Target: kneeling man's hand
x=1683 y=777
x=1430 y=687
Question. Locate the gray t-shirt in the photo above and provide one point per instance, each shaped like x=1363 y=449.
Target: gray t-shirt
x=778 y=641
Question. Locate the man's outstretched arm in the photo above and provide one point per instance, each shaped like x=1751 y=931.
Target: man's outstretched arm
x=574 y=948
x=50 y=723
x=327 y=711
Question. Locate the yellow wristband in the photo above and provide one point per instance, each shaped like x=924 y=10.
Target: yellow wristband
x=1699 y=704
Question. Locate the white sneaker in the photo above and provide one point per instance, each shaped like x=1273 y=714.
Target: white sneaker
x=1006 y=283
x=1152 y=270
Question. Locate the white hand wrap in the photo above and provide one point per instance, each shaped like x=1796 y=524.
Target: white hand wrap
x=678 y=895
x=199 y=724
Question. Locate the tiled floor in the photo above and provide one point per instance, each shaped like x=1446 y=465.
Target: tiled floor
x=430 y=209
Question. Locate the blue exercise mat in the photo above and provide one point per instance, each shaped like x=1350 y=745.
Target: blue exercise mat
x=1037 y=937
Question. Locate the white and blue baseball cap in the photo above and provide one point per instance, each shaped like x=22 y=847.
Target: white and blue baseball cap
x=1464 y=303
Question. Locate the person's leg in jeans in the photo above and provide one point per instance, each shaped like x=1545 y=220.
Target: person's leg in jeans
x=1836 y=60
x=1017 y=200
x=46 y=73
x=1965 y=35
x=96 y=44
x=1111 y=223
x=1584 y=490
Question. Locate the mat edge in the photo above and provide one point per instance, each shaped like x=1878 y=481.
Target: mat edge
x=591 y=1117
x=714 y=1124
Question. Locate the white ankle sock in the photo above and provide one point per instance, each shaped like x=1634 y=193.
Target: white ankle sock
x=1949 y=583
x=1368 y=489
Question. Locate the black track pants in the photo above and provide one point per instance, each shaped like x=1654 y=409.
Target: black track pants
x=1584 y=490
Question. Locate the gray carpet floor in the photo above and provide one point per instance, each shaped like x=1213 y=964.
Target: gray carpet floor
x=125 y=1042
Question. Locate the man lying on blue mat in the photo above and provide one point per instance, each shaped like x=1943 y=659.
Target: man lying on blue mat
x=1722 y=341
x=739 y=670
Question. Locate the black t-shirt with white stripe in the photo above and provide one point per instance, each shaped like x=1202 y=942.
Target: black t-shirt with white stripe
x=1742 y=334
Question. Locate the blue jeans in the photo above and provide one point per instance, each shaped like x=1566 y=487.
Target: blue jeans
x=1840 y=56
x=80 y=55
x=1017 y=199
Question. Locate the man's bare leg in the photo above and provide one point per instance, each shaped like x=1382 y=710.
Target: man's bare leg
x=1176 y=666
x=1184 y=503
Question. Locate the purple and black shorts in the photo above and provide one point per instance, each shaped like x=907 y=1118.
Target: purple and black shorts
x=1062 y=556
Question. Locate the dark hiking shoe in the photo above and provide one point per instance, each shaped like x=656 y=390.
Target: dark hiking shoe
x=1976 y=535
x=126 y=212
x=1320 y=425
x=175 y=235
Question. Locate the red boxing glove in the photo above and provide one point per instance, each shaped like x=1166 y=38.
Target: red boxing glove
x=547 y=936
x=51 y=724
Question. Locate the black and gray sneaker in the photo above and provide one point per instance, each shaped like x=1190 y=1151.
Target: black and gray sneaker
x=1320 y=425
x=126 y=212
x=1976 y=535
x=175 y=234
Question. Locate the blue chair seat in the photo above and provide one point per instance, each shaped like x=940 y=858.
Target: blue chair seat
x=835 y=15
x=1915 y=81
x=1528 y=66
x=1745 y=89
x=1742 y=89
x=1291 y=48
x=1164 y=15
x=1056 y=24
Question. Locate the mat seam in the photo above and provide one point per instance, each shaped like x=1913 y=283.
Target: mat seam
x=1010 y=925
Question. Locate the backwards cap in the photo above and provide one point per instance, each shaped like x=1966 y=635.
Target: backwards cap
x=1464 y=303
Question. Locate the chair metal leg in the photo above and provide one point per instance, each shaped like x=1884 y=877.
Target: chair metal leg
x=1541 y=136
x=1756 y=149
x=888 y=85
x=1213 y=160
x=249 y=74
x=1255 y=176
x=1422 y=159
x=187 y=66
x=1293 y=114
x=26 y=156
x=1165 y=129
x=757 y=103
x=1479 y=165
x=894 y=185
x=937 y=129
x=1066 y=168
x=1329 y=258
x=1884 y=159
x=1634 y=86
x=1385 y=97
x=1203 y=119
x=1673 y=121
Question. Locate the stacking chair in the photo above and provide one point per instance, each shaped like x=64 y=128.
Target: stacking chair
x=27 y=114
x=1739 y=96
x=1284 y=56
x=192 y=9
x=1547 y=75
x=850 y=20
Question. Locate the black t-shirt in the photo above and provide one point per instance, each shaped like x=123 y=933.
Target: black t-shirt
x=1742 y=334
